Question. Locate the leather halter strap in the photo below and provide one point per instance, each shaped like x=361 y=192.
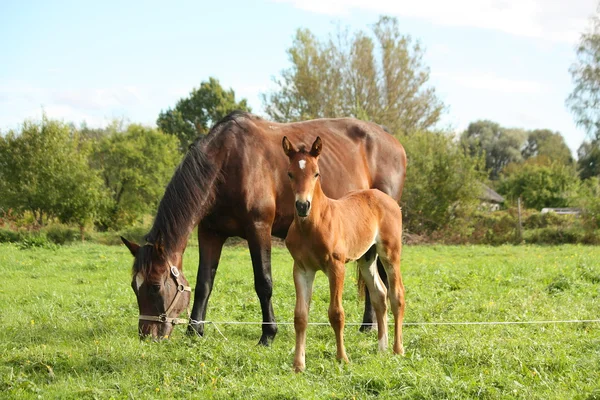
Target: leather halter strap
x=164 y=317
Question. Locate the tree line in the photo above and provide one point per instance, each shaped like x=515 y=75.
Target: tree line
x=112 y=177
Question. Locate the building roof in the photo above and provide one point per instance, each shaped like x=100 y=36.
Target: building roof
x=488 y=194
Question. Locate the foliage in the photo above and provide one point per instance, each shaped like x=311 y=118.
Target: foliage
x=547 y=184
x=588 y=200
x=499 y=145
x=379 y=77
x=195 y=114
x=442 y=182
x=69 y=329
x=135 y=166
x=544 y=142
x=44 y=170
x=588 y=161
x=585 y=72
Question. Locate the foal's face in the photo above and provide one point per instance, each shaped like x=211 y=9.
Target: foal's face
x=156 y=289
x=303 y=173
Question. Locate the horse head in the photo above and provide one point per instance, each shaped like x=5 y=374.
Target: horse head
x=161 y=289
x=303 y=172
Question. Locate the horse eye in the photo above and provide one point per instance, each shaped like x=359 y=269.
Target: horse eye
x=290 y=175
x=154 y=289
x=317 y=175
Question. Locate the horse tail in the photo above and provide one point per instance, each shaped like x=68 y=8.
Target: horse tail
x=360 y=283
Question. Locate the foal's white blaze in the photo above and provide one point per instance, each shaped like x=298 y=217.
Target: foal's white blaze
x=139 y=279
x=302 y=164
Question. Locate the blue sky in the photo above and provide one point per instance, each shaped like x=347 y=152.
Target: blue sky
x=504 y=60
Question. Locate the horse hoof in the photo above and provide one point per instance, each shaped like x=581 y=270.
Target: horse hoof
x=266 y=340
x=299 y=368
x=367 y=327
x=195 y=331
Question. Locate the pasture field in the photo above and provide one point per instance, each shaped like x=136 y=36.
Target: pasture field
x=68 y=322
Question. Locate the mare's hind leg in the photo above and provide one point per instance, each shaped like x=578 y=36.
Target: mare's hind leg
x=210 y=245
x=368 y=271
x=303 y=281
x=337 y=318
x=259 y=243
x=390 y=254
x=368 y=316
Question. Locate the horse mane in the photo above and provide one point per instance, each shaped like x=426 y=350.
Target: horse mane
x=189 y=196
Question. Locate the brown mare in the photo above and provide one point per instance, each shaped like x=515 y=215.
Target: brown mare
x=327 y=233
x=232 y=182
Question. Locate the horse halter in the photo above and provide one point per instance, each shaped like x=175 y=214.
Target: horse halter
x=164 y=317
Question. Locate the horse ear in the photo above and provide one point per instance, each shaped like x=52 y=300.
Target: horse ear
x=316 y=147
x=133 y=247
x=288 y=147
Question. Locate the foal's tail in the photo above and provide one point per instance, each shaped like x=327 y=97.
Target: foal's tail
x=360 y=284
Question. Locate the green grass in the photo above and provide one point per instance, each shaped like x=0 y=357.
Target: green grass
x=68 y=329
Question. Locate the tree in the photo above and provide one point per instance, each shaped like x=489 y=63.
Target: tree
x=544 y=142
x=501 y=146
x=194 y=115
x=588 y=161
x=135 y=166
x=445 y=182
x=539 y=184
x=44 y=170
x=380 y=78
x=584 y=101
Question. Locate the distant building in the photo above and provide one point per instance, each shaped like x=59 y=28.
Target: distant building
x=490 y=199
x=562 y=211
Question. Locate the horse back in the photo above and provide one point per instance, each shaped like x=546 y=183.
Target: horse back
x=359 y=155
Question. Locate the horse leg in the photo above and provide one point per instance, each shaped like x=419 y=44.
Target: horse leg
x=259 y=242
x=368 y=270
x=303 y=281
x=391 y=261
x=367 y=322
x=335 y=274
x=210 y=246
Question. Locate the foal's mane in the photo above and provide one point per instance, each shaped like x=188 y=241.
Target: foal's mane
x=189 y=195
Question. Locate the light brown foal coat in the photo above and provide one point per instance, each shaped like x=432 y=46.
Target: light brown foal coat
x=359 y=226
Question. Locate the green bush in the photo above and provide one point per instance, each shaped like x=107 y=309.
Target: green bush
x=538 y=220
x=61 y=234
x=443 y=184
x=9 y=236
x=553 y=235
x=36 y=240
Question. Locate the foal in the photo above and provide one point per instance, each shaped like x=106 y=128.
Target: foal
x=328 y=233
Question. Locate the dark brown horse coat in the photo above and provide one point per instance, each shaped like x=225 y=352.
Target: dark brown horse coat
x=233 y=183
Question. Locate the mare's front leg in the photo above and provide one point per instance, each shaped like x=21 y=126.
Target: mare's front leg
x=337 y=318
x=210 y=246
x=303 y=281
x=259 y=243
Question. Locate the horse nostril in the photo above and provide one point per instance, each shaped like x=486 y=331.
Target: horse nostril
x=302 y=208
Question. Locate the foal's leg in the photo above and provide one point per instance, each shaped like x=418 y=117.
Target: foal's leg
x=210 y=245
x=335 y=274
x=368 y=270
x=303 y=281
x=390 y=256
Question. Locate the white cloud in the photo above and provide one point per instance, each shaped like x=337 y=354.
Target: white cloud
x=554 y=20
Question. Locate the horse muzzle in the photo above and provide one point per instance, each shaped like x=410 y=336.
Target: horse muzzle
x=302 y=208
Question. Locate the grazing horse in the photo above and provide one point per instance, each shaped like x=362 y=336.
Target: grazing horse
x=328 y=233
x=232 y=182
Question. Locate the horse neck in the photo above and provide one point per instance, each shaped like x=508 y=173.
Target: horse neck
x=320 y=206
x=188 y=198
